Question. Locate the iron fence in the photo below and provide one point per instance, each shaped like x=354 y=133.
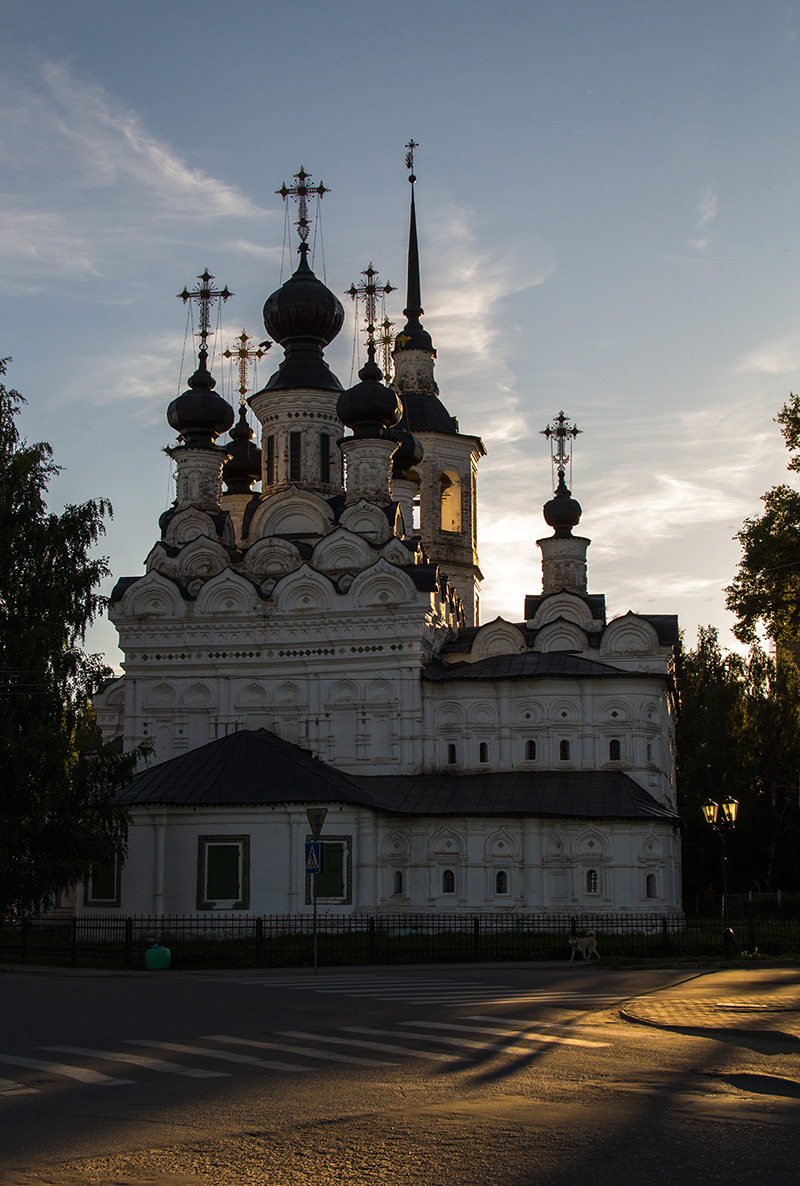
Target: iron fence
x=283 y=940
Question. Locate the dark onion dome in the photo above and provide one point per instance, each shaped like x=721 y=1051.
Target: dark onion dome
x=304 y=316
x=408 y=455
x=369 y=407
x=243 y=468
x=562 y=512
x=427 y=413
x=199 y=415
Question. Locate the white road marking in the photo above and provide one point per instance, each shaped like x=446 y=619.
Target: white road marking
x=205 y=1052
x=387 y=1047
x=11 y=1087
x=140 y=1060
x=460 y=1042
x=491 y=1029
x=82 y=1074
x=312 y=1053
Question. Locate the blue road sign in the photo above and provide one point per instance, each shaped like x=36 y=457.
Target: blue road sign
x=313 y=856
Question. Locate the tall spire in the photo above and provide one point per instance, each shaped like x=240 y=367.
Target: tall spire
x=413 y=336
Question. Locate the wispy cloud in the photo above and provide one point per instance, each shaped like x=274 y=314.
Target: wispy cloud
x=778 y=356
x=707 y=208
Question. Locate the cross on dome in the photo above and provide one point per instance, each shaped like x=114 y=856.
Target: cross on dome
x=244 y=355
x=368 y=292
x=205 y=296
x=561 y=433
x=301 y=191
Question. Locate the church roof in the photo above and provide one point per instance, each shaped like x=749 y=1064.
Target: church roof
x=258 y=768
x=574 y=794
x=527 y=665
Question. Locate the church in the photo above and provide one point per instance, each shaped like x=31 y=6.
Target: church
x=306 y=640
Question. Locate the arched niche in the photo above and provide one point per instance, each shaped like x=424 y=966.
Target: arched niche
x=615 y=711
x=563 y=605
x=292 y=512
x=591 y=843
x=501 y=846
x=227 y=594
x=162 y=696
x=199 y=558
x=381 y=691
x=482 y=712
x=527 y=713
x=198 y=696
x=383 y=586
x=187 y=525
x=561 y=636
x=450 y=716
x=271 y=557
x=446 y=842
x=253 y=696
x=342 y=551
x=153 y=596
x=497 y=638
x=304 y=591
x=364 y=518
x=344 y=691
x=629 y=636
x=395 y=846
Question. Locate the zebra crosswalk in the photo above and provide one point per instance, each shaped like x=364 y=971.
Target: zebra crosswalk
x=427 y=990
x=295 y=1052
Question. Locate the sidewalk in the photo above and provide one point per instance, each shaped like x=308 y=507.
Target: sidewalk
x=760 y=1003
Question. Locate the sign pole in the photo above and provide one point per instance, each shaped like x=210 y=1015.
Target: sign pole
x=316 y=818
x=314 y=900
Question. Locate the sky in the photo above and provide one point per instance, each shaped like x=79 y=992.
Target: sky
x=608 y=201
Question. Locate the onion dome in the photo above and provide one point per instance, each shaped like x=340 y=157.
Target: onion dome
x=199 y=415
x=409 y=453
x=304 y=316
x=243 y=468
x=370 y=407
x=562 y=512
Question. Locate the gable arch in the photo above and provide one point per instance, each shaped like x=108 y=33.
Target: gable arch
x=651 y=848
x=395 y=846
x=153 y=596
x=527 y=714
x=446 y=842
x=344 y=691
x=497 y=638
x=163 y=695
x=342 y=551
x=227 y=593
x=303 y=591
x=253 y=696
x=450 y=716
x=482 y=712
x=561 y=635
x=187 y=525
x=566 y=606
x=629 y=635
x=292 y=512
x=591 y=843
x=366 y=519
x=501 y=845
x=198 y=696
x=382 y=586
x=271 y=556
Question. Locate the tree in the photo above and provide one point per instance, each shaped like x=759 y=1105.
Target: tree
x=738 y=734
x=766 y=590
x=58 y=817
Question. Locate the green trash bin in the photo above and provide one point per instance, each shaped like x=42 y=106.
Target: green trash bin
x=157 y=956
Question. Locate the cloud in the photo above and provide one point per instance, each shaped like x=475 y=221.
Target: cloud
x=778 y=356
x=120 y=189
x=707 y=208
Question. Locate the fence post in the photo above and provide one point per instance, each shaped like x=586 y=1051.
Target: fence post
x=259 y=941
x=371 y=946
x=128 y=956
x=476 y=938
x=751 y=927
x=665 y=934
x=23 y=949
x=73 y=939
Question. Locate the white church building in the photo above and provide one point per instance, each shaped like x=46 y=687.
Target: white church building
x=307 y=635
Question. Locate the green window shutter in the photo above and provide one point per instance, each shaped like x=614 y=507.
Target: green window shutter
x=330 y=882
x=222 y=872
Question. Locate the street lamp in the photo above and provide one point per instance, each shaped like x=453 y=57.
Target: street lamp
x=722 y=817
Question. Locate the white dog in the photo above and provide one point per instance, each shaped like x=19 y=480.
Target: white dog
x=587 y=947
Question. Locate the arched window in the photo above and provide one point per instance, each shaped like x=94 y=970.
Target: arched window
x=295 y=463
x=452 y=755
x=564 y=751
x=398 y=882
x=450 y=500
x=324 y=457
x=501 y=883
x=448 y=882
x=650 y=886
x=530 y=751
x=649 y=753
x=591 y=881
x=483 y=752
x=614 y=751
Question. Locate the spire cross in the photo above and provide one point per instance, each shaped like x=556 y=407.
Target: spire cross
x=386 y=341
x=244 y=355
x=369 y=291
x=561 y=433
x=412 y=144
x=301 y=192
x=205 y=296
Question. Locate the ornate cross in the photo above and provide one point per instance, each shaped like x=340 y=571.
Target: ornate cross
x=368 y=291
x=561 y=433
x=301 y=191
x=244 y=355
x=205 y=296
x=412 y=144
x=386 y=341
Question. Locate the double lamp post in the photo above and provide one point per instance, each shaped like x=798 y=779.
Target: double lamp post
x=722 y=818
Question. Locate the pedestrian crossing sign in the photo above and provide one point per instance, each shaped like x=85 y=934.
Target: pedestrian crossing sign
x=313 y=856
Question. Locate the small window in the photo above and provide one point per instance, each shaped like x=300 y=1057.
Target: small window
x=452 y=754
x=334 y=880
x=649 y=753
x=398 y=882
x=483 y=752
x=324 y=457
x=270 y=460
x=564 y=751
x=650 y=886
x=450 y=500
x=591 y=881
x=501 y=883
x=295 y=468
x=448 y=882
x=223 y=873
x=530 y=751
x=102 y=886
x=614 y=751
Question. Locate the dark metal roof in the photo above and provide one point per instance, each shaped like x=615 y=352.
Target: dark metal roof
x=528 y=665
x=426 y=413
x=593 y=794
x=257 y=768
x=248 y=767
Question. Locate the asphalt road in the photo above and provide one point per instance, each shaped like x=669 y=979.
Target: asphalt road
x=512 y=1076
